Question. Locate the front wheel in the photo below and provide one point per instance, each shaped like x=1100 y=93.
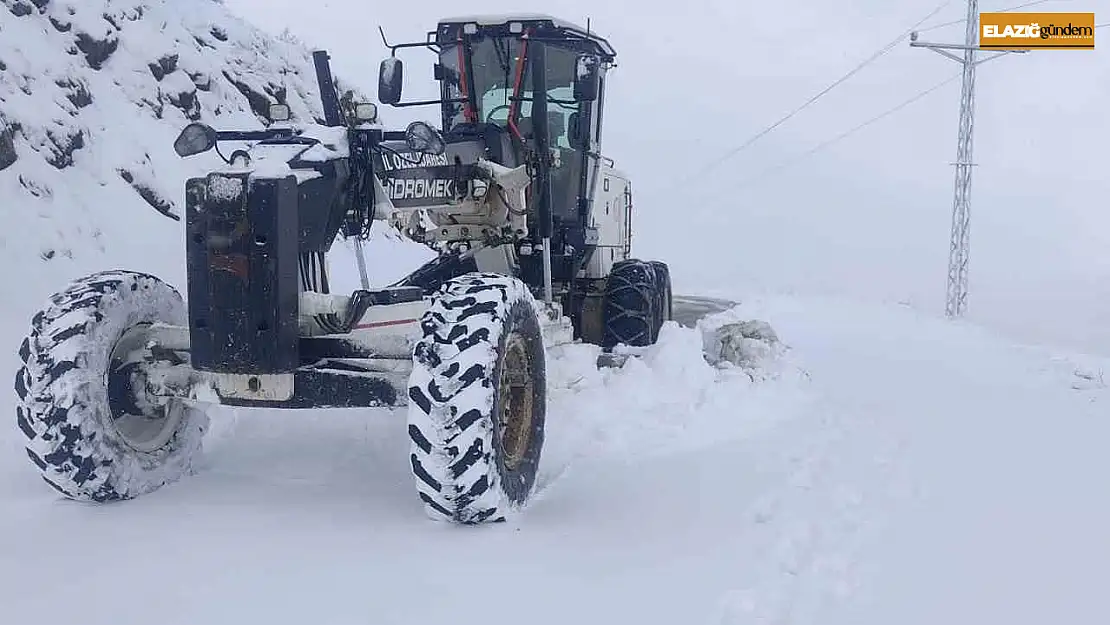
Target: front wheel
x=477 y=400
x=93 y=429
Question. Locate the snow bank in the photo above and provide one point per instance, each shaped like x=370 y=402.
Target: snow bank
x=668 y=399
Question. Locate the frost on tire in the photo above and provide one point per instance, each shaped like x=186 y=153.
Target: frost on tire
x=477 y=400
x=92 y=430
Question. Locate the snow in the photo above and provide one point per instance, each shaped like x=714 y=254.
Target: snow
x=746 y=344
x=272 y=160
x=892 y=468
x=885 y=466
x=94 y=207
x=333 y=143
x=225 y=188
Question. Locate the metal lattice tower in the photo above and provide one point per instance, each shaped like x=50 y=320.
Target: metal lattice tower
x=959 y=245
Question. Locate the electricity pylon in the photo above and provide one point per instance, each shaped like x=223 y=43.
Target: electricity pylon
x=959 y=245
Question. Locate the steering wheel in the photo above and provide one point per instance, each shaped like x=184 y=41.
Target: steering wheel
x=489 y=116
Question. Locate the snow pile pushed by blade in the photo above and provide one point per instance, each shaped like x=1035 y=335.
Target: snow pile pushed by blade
x=752 y=345
x=666 y=397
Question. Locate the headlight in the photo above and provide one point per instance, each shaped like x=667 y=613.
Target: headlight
x=280 y=113
x=366 y=112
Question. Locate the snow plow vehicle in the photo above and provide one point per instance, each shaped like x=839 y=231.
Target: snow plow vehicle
x=532 y=225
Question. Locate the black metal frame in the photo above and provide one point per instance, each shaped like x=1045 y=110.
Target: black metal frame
x=332 y=114
x=244 y=253
x=330 y=388
x=587 y=42
x=244 y=309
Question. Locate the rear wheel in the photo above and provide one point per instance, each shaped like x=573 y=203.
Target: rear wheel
x=477 y=400
x=631 y=313
x=94 y=429
x=664 y=296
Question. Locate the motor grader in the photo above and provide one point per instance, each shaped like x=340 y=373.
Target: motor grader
x=532 y=228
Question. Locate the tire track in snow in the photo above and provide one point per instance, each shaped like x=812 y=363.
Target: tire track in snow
x=811 y=559
x=781 y=535
x=805 y=534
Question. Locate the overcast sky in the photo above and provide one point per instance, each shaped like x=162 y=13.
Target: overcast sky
x=870 y=215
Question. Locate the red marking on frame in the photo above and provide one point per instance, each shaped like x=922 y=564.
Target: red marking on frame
x=382 y=324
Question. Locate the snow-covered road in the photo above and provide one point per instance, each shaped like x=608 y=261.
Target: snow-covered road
x=950 y=478
x=895 y=469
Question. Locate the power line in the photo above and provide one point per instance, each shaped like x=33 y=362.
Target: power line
x=842 y=79
x=844 y=135
x=887 y=48
x=765 y=174
x=828 y=143
x=961 y=21
x=959 y=246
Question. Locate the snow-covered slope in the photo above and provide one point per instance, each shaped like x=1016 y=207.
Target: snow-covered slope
x=92 y=95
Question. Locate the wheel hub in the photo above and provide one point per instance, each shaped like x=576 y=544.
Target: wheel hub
x=516 y=387
x=143 y=418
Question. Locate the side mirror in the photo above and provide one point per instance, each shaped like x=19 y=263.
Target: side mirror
x=390 y=76
x=424 y=139
x=195 y=139
x=587 y=78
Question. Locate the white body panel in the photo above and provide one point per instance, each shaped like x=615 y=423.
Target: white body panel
x=612 y=214
x=255 y=387
x=390 y=330
x=393 y=319
x=387 y=330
